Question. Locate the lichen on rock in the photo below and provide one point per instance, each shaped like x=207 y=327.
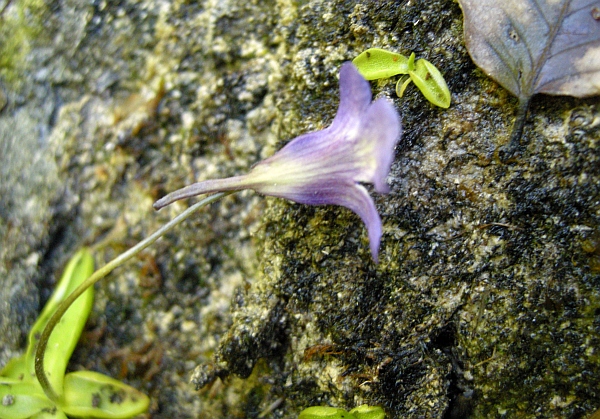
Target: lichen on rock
x=484 y=301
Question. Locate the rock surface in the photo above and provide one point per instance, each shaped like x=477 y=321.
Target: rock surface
x=485 y=302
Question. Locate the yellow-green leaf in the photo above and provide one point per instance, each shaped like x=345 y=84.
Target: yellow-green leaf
x=431 y=83
x=368 y=412
x=94 y=395
x=325 y=412
x=402 y=84
x=55 y=414
x=377 y=63
x=20 y=400
x=66 y=334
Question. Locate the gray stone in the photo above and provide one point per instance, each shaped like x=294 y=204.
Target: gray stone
x=484 y=303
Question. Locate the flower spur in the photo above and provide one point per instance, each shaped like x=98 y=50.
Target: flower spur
x=327 y=167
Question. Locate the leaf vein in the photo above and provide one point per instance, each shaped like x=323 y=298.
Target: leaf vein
x=523 y=38
x=506 y=59
x=546 y=53
x=540 y=11
x=585 y=6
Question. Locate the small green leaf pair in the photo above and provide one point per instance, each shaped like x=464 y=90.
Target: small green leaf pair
x=81 y=393
x=376 y=63
x=324 y=412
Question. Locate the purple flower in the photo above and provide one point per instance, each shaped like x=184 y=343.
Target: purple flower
x=327 y=167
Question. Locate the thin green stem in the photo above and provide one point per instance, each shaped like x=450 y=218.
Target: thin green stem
x=95 y=277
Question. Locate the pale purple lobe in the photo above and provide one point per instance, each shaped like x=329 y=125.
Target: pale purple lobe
x=355 y=96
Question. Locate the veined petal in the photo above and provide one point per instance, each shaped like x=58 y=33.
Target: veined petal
x=311 y=164
x=335 y=192
x=379 y=132
x=357 y=199
x=357 y=147
x=355 y=96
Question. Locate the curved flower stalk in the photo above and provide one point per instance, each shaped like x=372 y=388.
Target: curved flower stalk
x=327 y=167
x=56 y=394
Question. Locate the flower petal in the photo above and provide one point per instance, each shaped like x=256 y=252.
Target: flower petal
x=355 y=97
x=358 y=200
x=350 y=195
x=331 y=191
x=379 y=132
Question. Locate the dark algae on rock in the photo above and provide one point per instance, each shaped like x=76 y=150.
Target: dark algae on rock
x=484 y=302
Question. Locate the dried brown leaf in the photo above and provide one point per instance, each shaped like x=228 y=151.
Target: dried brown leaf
x=536 y=46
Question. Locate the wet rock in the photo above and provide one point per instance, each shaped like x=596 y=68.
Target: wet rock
x=485 y=301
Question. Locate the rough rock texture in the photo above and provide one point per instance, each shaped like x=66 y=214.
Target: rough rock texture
x=485 y=302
